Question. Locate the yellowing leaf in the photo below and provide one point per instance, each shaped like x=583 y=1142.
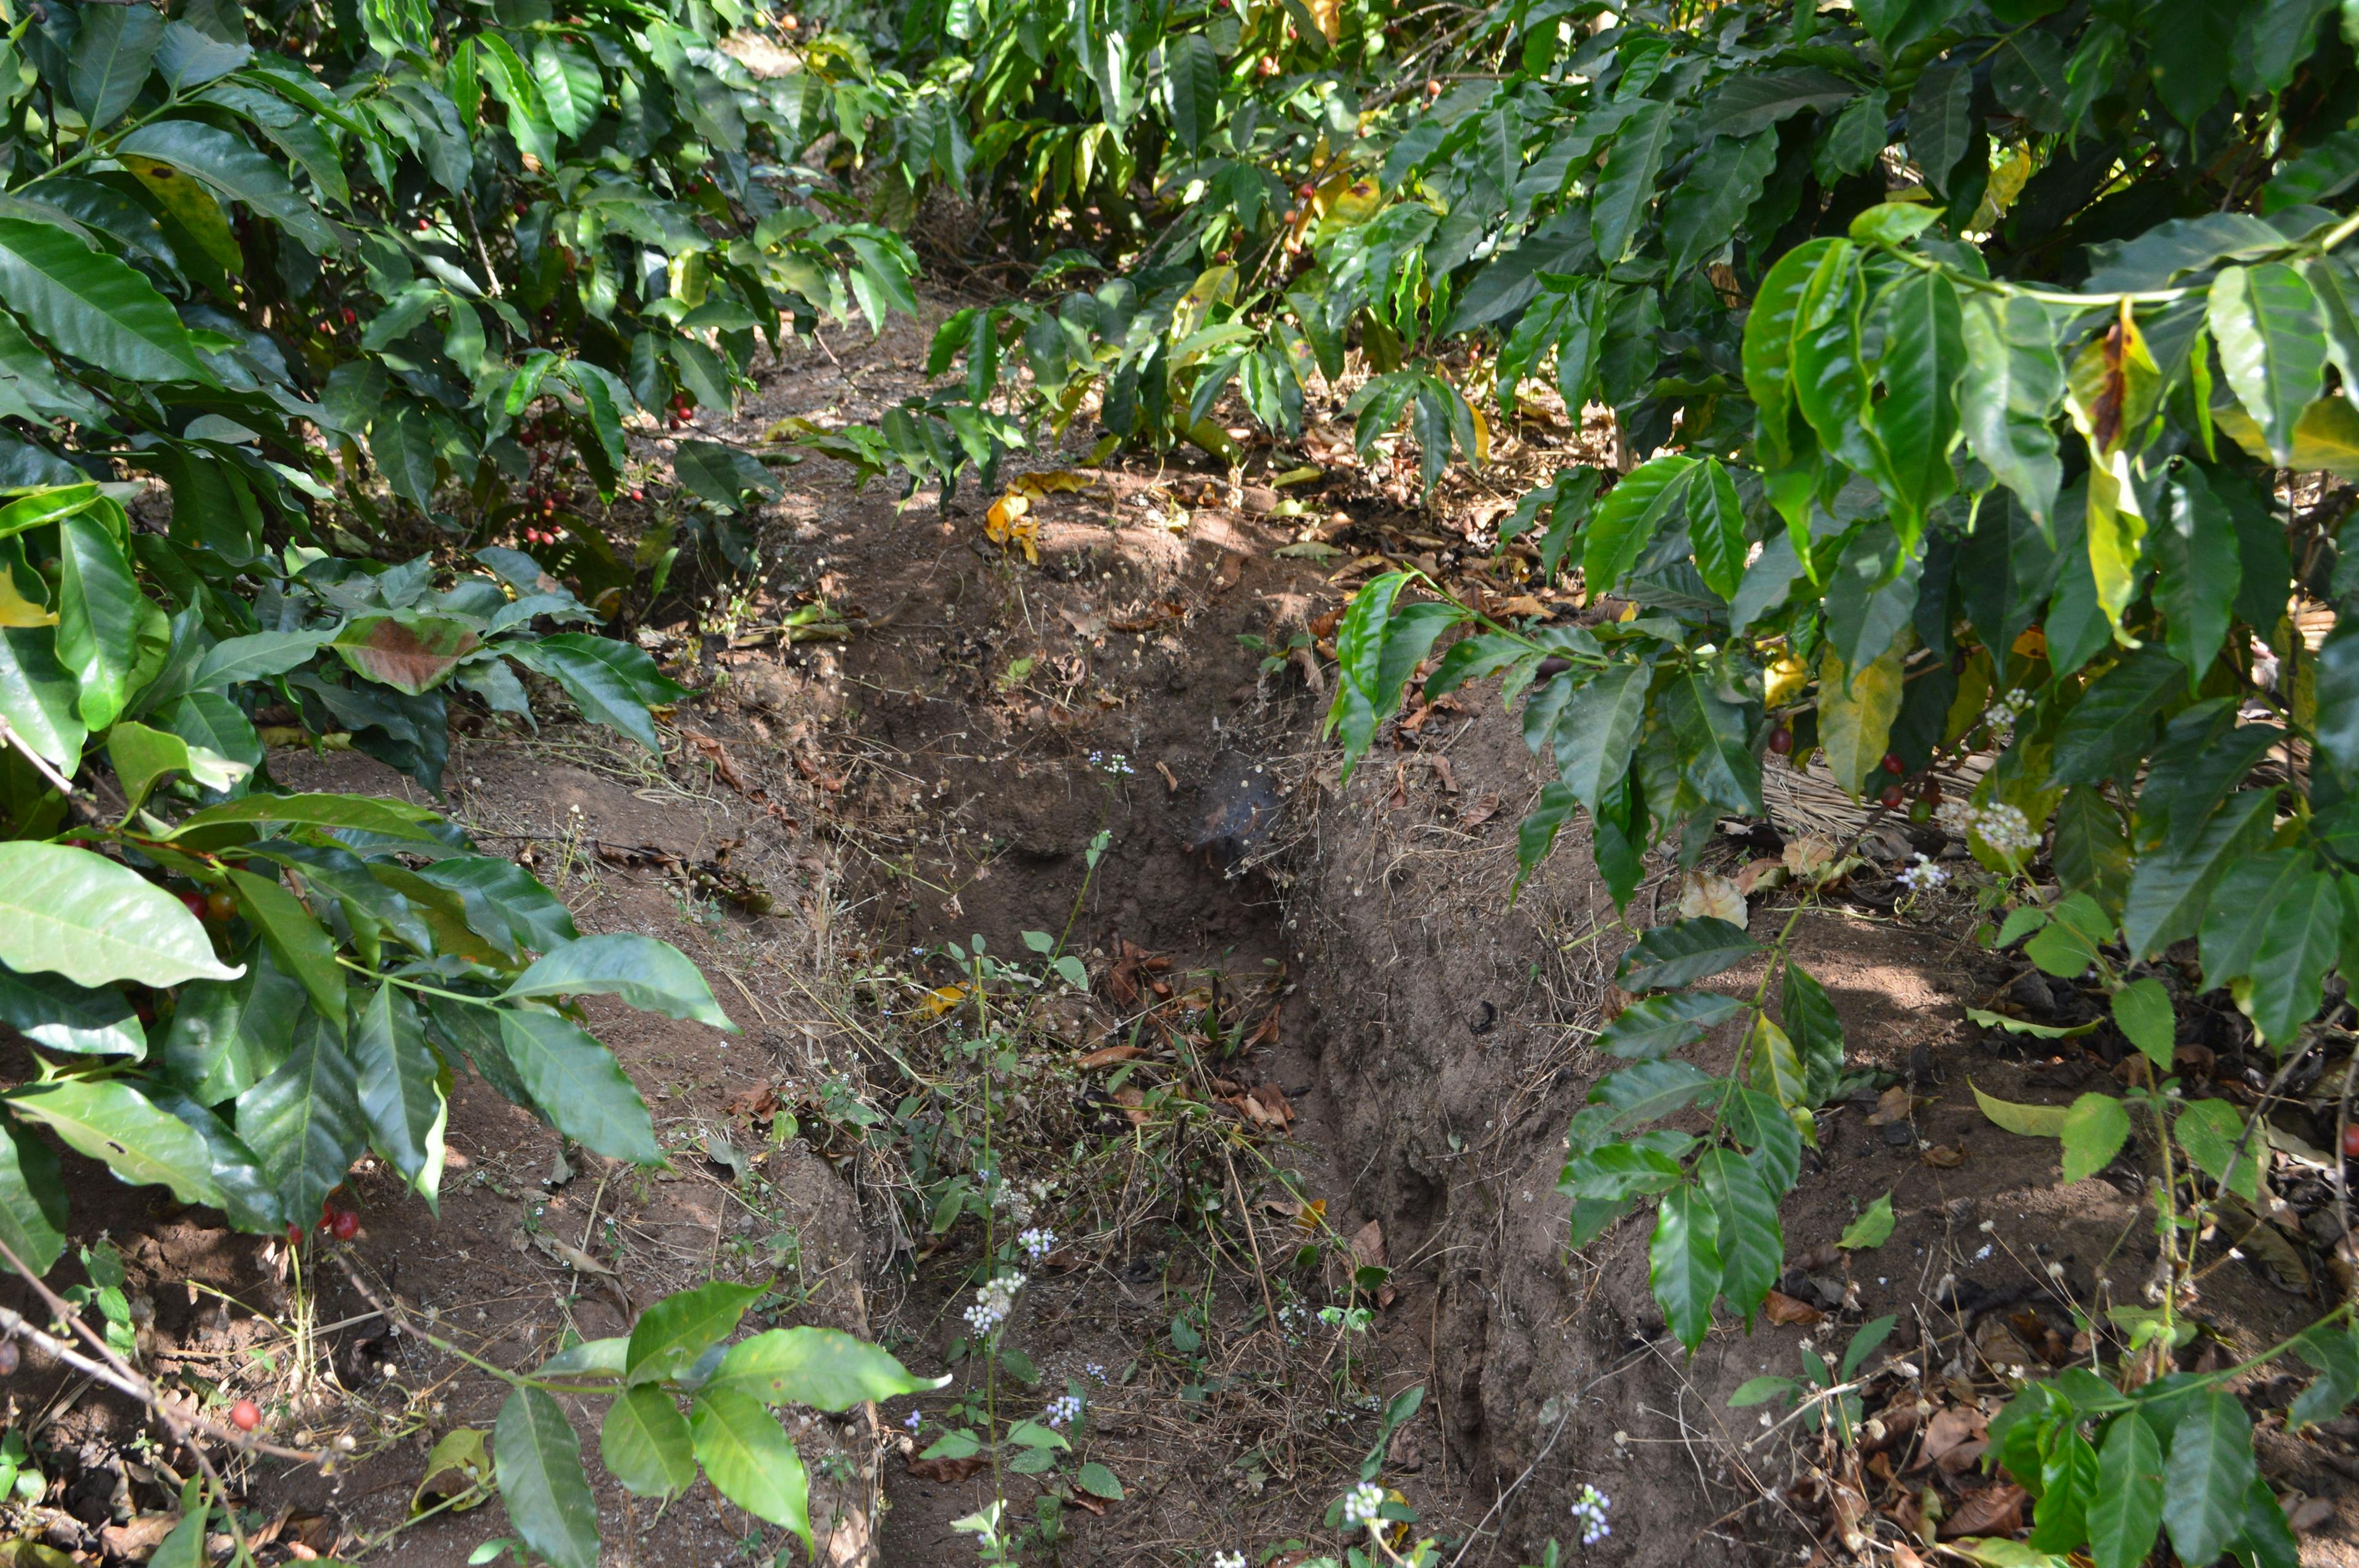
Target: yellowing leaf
x=1033 y=486
x=1008 y=523
x=1871 y=1229
x=1855 y=726
x=2028 y=1120
x=941 y=998
x=15 y=610
x=460 y=1468
x=1329 y=14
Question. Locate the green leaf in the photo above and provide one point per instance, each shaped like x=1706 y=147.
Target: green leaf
x=400 y=1089
x=1626 y=187
x=234 y=168
x=570 y=87
x=366 y=813
x=2333 y=1349
x=2272 y=344
x=94 y=306
x=2193 y=542
x=2090 y=851
x=1761 y=1390
x=299 y=943
x=1772 y=1065
x=32 y=1200
x=1655 y=1026
x=590 y=1358
x=1916 y=420
x=1769 y=348
x=401 y=440
x=1871 y=1229
x=56 y=1014
x=79 y=915
x=304 y=1122
x=1748 y=103
x=723 y=475
x=113 y=1123
x=1941 y=122
x=578 y=1085
x=1684 y=1262
x=2125 y=1515
x=675 y=1330
x=1716 y=526
x=613 y=683
x=2026 y=1121
x=2210 y=1465
x=1098 y=1481
x=1710 y=735
x=2213 y=1133
x=538 y=1461
x=644 y=1443
x=113 y=52
x=750 y=1460
x=2171 y=886
x=1682 y=953
x=504 y=903
x=1627 y=519
x=39 y=698
x=2095 y=1128
x=2111 y=729
x=1191 y=88
x=2142 y=1012
x=2336 y=726
x=822 y=1368
x=1598 y=728
x=1701 y=215
x=143 y=758
x=99 y=611
x=1816 y=1028
x=652 y=976
x=263 y=654
x=1752 y=1244
x=2277 y=959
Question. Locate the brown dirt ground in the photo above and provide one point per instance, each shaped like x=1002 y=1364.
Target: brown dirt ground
x=940 y=775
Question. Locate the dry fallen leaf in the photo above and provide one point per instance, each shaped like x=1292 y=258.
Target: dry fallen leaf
x=1893 y=1105
x=565 y=1252
x=1758 y=874
x=1784 y=1309
x=1951 y=1426
x=1705 y=896
x=946 y=1469
x=1132 y=1104
x=1106 y=1056
x=1368 y=1245
x=1942 y=1157
x=1996 y=1509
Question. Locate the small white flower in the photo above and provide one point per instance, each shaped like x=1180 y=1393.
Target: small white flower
x=916 y=1419
x=1063 y=1408
x=1922 y=876
x=993 y=1302
x=1228 y=1560
x=1590 y=1510
x=1362 y=1503
x=1038 y=1243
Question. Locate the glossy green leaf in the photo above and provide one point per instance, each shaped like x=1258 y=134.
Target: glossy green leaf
x=2222 y=1145
x=2126 y=1516
x=99 y=613
x=1684 y=1262
x=613 y=683
x=644 y=1443
x=2142 y=1011
x=2007 y=393
x=1872 y=1229
x=113 y=52
x=1655 y=1026
x=1751 y=1242
x=1701 y=215
x=233 y=168
x=1917 y=420
x=1629 y=516
x=750 y=1460
x=578 y=1085
x=400 y=1089
x=32 y=1200
x=2205 y=1476
x=2272 y=346
x=304 y=1122
x=110 y=1120
x=1626 y=187
x=824 y=1368
x=2095 y=1128
x=538 y=1461
x=55 y=1014
x=1716 y=525
x=299 y=943
x=2170 y=887
x=94 y=921
x=672 y=1334
x=1682 y=953
x=652 y=976
x=93 y=306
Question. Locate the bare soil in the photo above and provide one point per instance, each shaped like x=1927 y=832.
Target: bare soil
x=834 y=813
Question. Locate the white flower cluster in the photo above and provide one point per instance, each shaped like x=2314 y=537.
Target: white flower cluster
x=1922 y=875
x=993 y=1302
x=1111 y=762
x=1590 y=1510
x=1362 y=1503
x=1038 y=1242
x=2004 y=711
x=1998 y=825
x=1228 y=1560
x=1064 y=1408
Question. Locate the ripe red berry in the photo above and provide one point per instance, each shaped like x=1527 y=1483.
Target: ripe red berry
x=196 y=903
x=294 y=1236
x=424 y=224
x=1782 y=740
x=1304 y=191
x=2350 y=1140
x=638 y=495
x=349 y=317
x=1893 y=766
x=245 y=1415
x=1892 y=798
x=344 y=1223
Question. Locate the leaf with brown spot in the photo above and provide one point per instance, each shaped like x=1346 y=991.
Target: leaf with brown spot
x=412 y=653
